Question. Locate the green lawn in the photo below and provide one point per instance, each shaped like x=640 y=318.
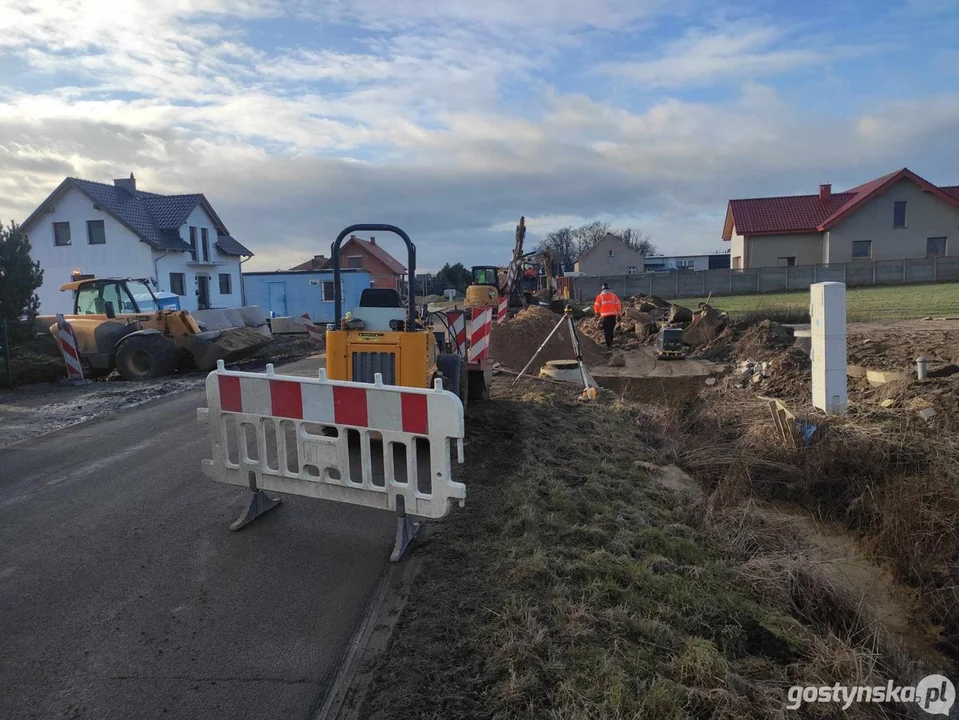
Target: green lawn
x=862 y=304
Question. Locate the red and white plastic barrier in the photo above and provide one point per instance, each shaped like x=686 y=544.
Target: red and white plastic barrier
x=67 y=339
x=343 y=441
x=317 y=336
x=481 y=326
x=457 y=323
x=501 y=309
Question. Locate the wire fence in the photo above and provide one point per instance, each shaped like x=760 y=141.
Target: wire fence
x=700 y=283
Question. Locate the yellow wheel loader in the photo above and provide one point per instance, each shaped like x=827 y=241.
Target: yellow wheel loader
x=382 y=336
x=119 y=324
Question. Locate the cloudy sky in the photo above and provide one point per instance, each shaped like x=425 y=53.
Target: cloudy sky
x=452 y=118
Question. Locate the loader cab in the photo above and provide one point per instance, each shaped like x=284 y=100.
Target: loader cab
x=110 y=297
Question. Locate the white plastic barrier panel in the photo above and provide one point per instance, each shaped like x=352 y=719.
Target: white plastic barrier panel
x=360 y=443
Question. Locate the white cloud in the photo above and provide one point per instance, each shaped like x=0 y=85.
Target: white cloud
x=737 y=51
x=450 y=120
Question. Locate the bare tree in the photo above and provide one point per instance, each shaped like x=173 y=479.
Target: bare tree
x=562 y=244
x=567 y=244
x=637 y=240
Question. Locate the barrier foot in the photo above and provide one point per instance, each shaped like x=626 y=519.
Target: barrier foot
x=406 y=530
x=260 y=504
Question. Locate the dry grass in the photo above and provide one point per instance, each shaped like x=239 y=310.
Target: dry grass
x=896 y=485
x=572 y=586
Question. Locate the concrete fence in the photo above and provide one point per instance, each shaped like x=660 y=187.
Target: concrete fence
x=771 y=279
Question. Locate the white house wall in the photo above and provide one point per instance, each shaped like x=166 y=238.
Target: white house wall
x=737 y=250
x=765 y=250
x=176 y=262
x=926 y=216
x=123 y=254
x=598 y=262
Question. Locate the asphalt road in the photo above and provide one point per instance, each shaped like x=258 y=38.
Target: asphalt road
x=123 y=594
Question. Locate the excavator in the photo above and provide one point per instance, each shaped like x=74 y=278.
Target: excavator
x=520 y=281
x=119 y=324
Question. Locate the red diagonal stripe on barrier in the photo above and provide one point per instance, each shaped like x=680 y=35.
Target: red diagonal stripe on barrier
x=231 y=399
x=286 y=399
x=349 y=406
x=416 y=419
x=69 y=351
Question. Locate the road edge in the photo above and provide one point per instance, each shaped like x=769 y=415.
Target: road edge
x=354 y=676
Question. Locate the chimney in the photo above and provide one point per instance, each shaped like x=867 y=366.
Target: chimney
x=372 y=240
x=825 y=191
x=128 y=184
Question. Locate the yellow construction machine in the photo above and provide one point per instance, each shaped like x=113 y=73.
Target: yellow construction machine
x=519 y=281
x=382 y=335
x=119 y=324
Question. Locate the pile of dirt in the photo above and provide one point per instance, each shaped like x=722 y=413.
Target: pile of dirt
x=514 y=342
x=789 y=375
x=880 y=348
x=764 y=340
x=643 y=315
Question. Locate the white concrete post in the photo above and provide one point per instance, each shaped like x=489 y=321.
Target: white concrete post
x=827 y=313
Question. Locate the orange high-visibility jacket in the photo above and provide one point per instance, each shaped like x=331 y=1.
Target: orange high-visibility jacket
x=607 y=304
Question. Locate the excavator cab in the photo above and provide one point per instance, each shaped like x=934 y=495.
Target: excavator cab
x=382 y=335
x=484 y=291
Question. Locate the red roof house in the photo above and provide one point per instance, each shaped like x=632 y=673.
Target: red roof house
x=384 y=269
x=899 y=215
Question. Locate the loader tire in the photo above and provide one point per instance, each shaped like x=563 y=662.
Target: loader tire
x=455 y=375
x=142 y=357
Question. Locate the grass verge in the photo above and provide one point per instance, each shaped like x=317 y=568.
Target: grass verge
x=862 y=304
x=573 y=585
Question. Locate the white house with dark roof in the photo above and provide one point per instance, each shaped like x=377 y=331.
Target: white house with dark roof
x=119 y=231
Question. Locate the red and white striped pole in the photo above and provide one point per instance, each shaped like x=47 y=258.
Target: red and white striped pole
x=316 y=335
x=67 y=339
x=501 y=310
x=480 y=328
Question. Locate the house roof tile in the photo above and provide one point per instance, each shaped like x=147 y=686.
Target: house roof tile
x=154 y=218
x=807 y=213
x=229 y=246
x=376 y=251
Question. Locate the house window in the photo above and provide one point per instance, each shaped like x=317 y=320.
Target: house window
x=226 y=284
x=193 y=243
x=61 y=233
x=96 y=235
x=899 y=214
x=355 y=262
x=177 y=284
x=328 y=291
x=610 y=253
x=786 y=261
x=861 y=249
x=936 y=247
x=685 y=263
x=205 y=241
x=632 y=270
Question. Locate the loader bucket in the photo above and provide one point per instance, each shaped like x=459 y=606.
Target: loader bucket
x=227 y=335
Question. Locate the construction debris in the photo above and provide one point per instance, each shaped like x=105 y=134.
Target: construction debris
x=644 y=315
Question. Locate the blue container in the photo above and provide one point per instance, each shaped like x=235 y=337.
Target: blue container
x=168 y=301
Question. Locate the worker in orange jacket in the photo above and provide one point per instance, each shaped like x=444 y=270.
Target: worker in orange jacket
x=608 y=308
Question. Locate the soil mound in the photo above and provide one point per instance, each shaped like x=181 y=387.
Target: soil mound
x=515 y=341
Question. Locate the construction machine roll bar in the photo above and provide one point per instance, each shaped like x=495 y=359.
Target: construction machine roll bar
x=411 y=269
